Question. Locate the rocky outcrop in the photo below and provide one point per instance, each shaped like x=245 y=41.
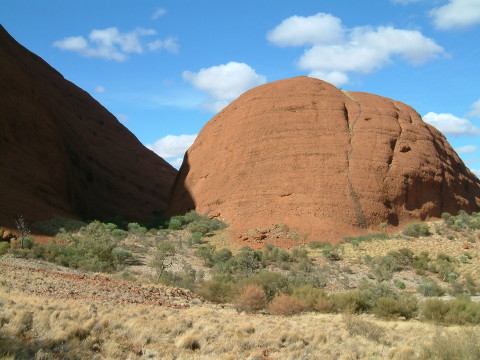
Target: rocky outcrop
x=62 y=153
x=325 y=162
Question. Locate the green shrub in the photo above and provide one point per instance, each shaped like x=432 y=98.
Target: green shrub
x=388 y=307
x=4 y=246
x=457 y=311
x=332 y=253
x=136 y=229
x=217 y=291
x=400 y=284
x=383 y=267
x=272 y=283
x=316 y=299
x=206 y=253
x=430 y=288
x=416 y=230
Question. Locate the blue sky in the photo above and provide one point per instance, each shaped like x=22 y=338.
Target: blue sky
x=164 y=68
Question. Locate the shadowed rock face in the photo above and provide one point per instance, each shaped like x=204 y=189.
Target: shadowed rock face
x=325 y=162
x=62 y=153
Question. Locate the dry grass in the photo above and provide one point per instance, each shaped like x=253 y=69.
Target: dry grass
x=112 y=331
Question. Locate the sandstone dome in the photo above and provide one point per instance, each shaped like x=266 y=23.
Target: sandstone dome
x=325 y=162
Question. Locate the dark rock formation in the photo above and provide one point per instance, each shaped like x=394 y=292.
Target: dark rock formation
x=62 y=153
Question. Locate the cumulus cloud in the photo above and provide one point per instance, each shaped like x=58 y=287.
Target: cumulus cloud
x=224 y=83
x=467 y=149
x=99 y=89
x=176 y=163
x=158 y=13
x=340 y=50
x=457 y=14
x=171 y=146
x=170 y=44
x=475 y=112
x=110 y=43
x=450 y=124
x=310 y=30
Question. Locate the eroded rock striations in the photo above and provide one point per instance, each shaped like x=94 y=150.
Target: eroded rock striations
x=325 y=162
x=62 y=153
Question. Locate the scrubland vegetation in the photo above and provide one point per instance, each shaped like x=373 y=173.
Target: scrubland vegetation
x=363 y=298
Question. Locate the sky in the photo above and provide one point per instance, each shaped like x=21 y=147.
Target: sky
x=164 y=68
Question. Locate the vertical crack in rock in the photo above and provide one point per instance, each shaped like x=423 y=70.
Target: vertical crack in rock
x=362 y=222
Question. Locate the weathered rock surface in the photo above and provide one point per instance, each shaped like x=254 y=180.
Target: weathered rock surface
x=325 y=162
x=62 y=153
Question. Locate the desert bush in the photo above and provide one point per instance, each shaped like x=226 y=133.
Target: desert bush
x=332 y=253
x=136 y=229
x=4 y=246
x=195 y=222
x=217 y=291
x=383 y=267
x=388 y=307
x=272 y=283
x=286 y=305
x=251 y=298
x=350 y=301
x=416 y=230
x=400 y=284
x=429 y=287
x=184 y=279
x=316 y=299
x=206 y=253
x=94 y=247
x=456 y=311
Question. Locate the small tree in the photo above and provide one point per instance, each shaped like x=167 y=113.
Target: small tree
x=23 y=228
x=162 y=259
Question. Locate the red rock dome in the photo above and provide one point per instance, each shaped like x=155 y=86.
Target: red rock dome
x=62 y=153
x=325 y=162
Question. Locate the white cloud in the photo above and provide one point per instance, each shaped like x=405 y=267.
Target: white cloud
x=224 y=83
x=334 y=77
x=361 y=49
x=170 y=44
x=99 y=89
x=457 y=14
x=122 y=118
x=176 y=163
x=171 y=146
x=466 y=149
x=300 y=30
x=475 y=112
x=476 y=172
x=449 y=124
x=158 y=13
x=111 y=44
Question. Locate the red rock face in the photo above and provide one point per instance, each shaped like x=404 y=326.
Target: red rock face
x=326 y=163
x=62 y=153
